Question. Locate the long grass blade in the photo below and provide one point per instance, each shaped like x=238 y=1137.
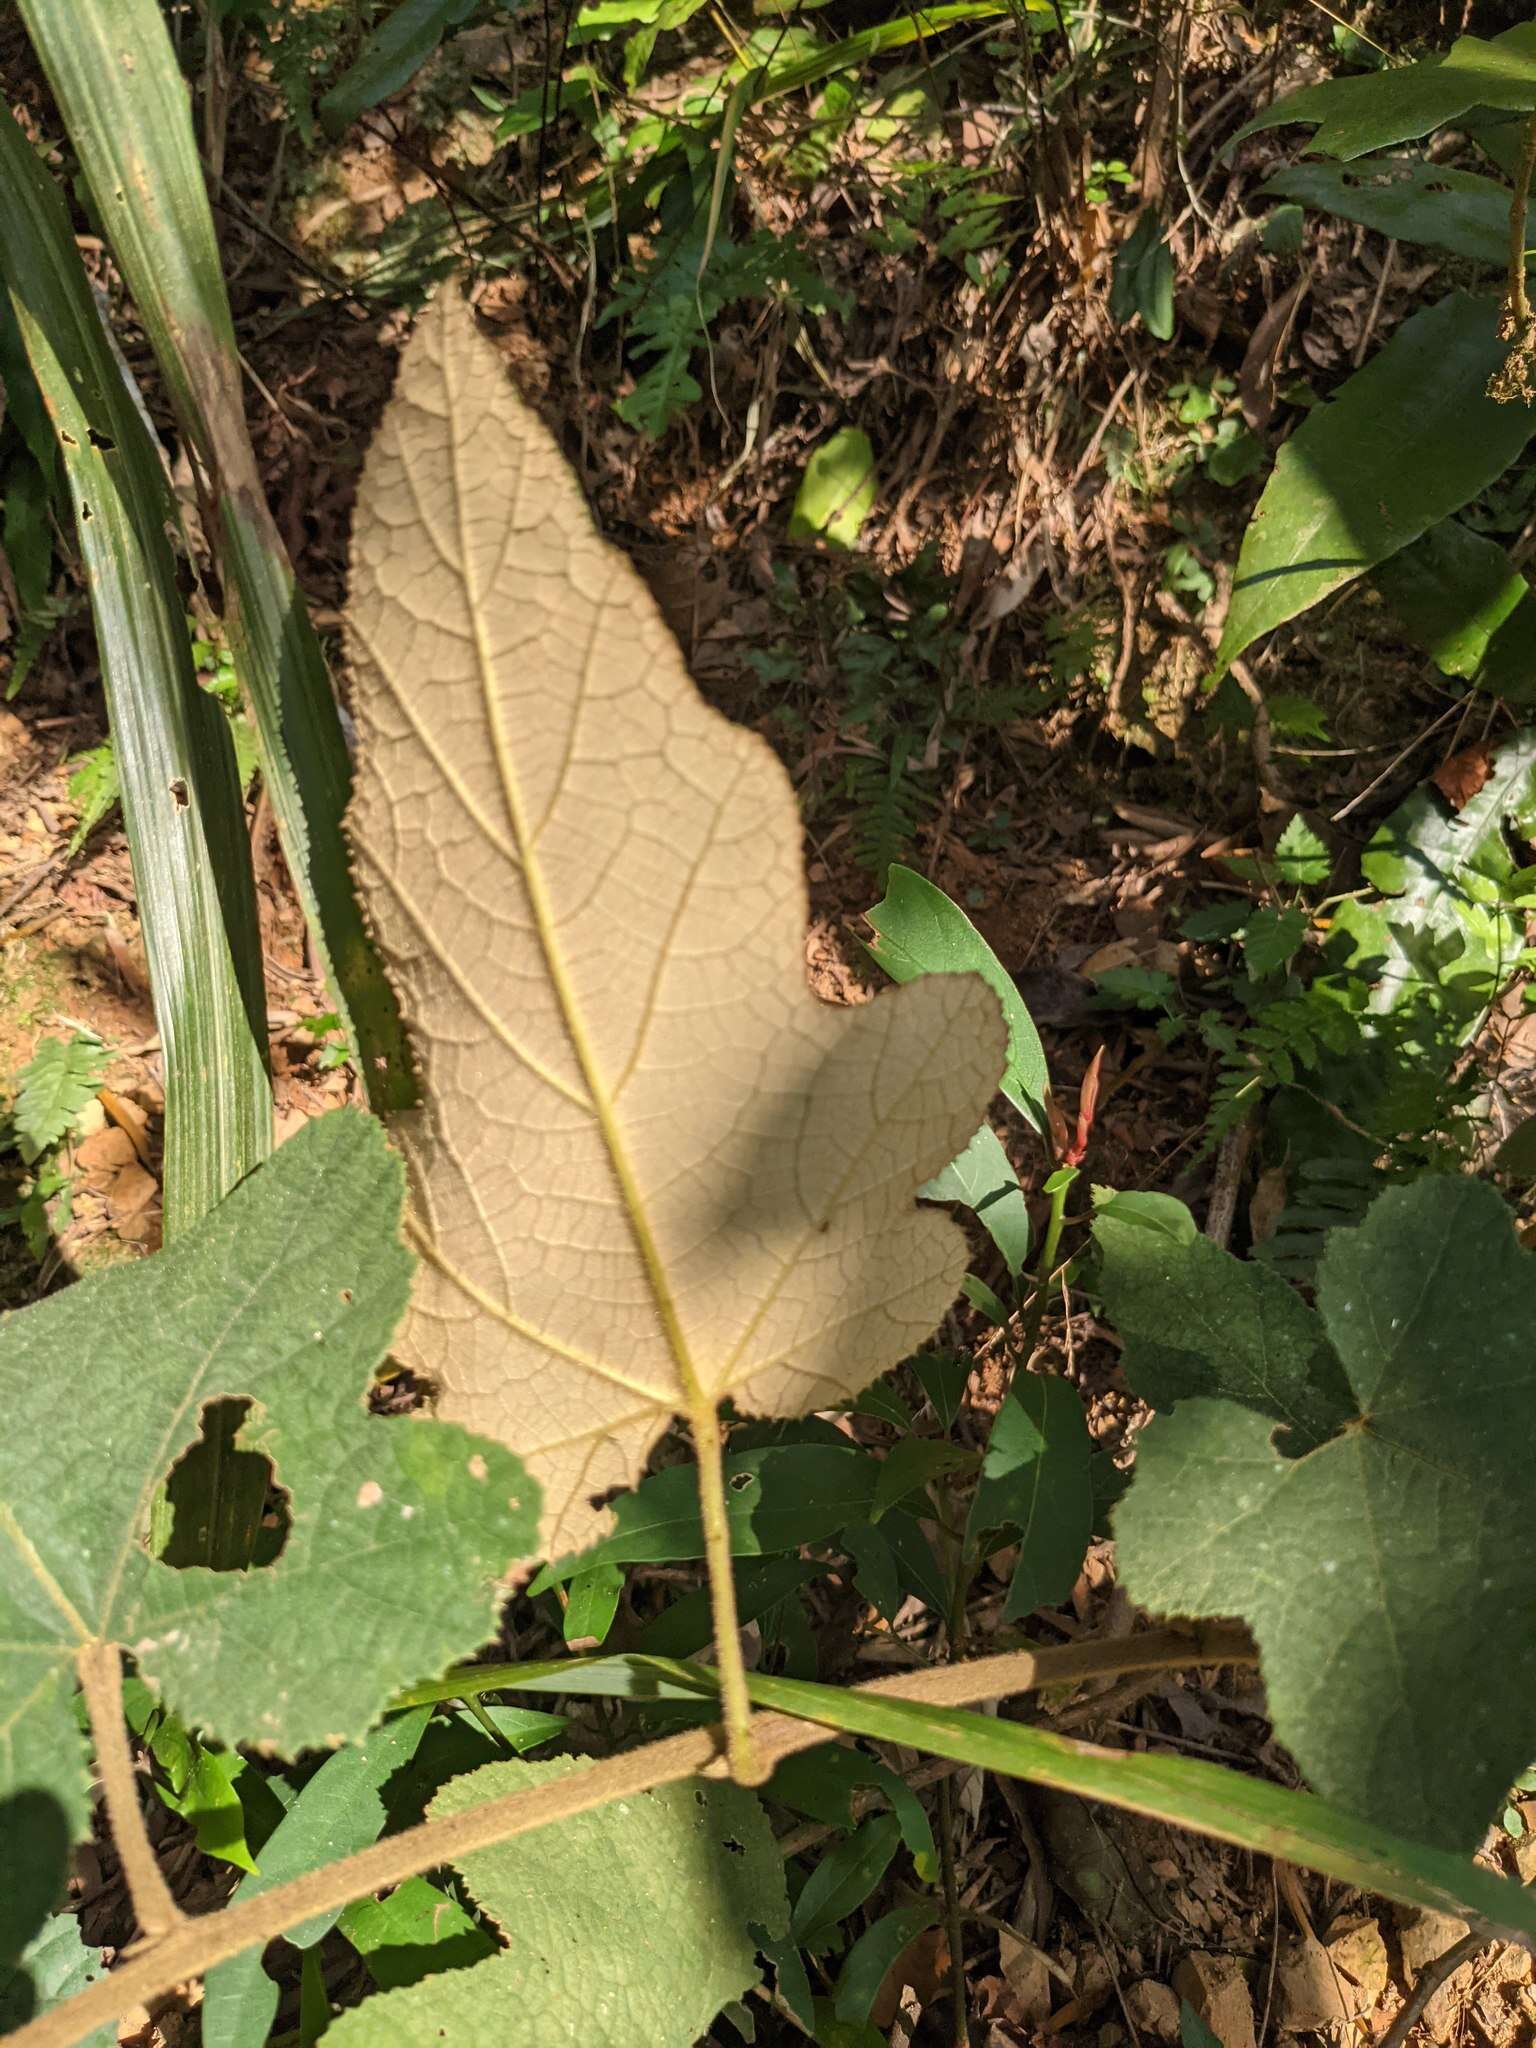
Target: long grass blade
x=180 y=793
x=1209 y=1799
x=126 y=108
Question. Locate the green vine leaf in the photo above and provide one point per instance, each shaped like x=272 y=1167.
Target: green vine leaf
x=1387 y=1570
x=636 y=1922
x=286 y=1295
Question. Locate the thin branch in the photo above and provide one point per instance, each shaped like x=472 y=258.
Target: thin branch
x=194 y=1946
x=100 y=1668
x=1431 y=1977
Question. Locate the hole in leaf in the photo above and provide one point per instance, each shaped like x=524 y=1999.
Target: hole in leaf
x=103 y=442
x=221 y=1507
x=736 y=1848
x=179 y=796
x=68 y=439
x=740 y=1481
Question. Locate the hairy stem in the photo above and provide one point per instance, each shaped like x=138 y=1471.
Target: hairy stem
x=747 y=1767
x=194 y=1946
x=100 y=1668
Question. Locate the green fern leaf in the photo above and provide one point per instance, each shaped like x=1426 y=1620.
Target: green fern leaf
x=52 y=1089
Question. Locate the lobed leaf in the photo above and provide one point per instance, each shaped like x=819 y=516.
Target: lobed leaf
x=653 y=1171
x=1375 y=1569
x=635 y=1922
x=286 y=1296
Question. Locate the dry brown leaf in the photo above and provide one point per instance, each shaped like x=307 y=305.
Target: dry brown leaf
x=649 y=1169
x=1460 y=776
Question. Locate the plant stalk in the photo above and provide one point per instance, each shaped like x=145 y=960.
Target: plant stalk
x=1058 y=1186
x=747 y=1766
x=194 y=1946
x=100 y=1669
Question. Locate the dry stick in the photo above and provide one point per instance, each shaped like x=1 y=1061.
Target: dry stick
x=194 y=1946
x=100 y=1668
x=1431 y=1977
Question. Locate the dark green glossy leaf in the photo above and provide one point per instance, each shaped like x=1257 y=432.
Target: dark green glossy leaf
x=392 y=55
x=873 y=1956
x=1142 y=278
x=1460 y=597
x=844 y=1878
x=1405 y=441
x=1409 y=200
x=1376 y=109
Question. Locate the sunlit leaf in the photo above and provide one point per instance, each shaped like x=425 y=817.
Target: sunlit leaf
x=654 y=1170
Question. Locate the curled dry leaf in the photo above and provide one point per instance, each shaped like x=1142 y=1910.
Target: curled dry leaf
x=1460 y=776
x=649 y=1169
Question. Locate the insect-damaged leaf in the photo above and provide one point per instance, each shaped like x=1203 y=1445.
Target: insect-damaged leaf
x=1376 y=1569
x=286 y=1294
x=651 y=1170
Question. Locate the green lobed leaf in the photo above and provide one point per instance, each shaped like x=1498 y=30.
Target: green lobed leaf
x=1198 y=1322
x=1439 y=947
x=1376 y=1569
x=920 y=931
x=1409 y=200
x=1460 y=597
x=1403 y=443
x=1272 y=939
x=53 y=1966
x=1301 y=857
x=630 y=1923
x=1398 y=104
x=286 y=1296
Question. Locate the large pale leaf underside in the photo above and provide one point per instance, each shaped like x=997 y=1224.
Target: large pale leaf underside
x=650 y=1170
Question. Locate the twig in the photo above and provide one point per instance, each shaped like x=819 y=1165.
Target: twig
x=954 y=1923
x=1231 y=1160
x=194 y=1946
x=100 y=1667
x=1431 y=1977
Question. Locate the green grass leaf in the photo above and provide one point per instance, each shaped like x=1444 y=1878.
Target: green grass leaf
x=125 y=104
x=287 y=1295
x=181 y=804
x=1403 y=443
x=634 y=1922
x=1377 y=1569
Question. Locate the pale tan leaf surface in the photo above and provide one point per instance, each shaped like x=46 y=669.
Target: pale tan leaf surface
x=649 y=1169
